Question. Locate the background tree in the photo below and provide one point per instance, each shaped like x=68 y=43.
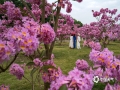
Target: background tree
x=78 y=22
x=104 y=28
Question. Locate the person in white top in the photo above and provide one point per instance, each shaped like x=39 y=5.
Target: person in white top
x=71 y=42
x=78 y=41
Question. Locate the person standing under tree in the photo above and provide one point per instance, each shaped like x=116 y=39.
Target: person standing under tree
x=74 y=40
x=71 y=41
x=78 y=41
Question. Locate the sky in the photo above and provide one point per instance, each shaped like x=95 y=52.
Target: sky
x=83 y=11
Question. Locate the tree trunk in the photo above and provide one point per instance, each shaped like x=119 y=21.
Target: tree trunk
x=61 y=39
x=48 y=48
x=105 y=42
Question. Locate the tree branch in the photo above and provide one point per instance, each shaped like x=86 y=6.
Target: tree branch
x=3 y=70
x=12 y=61
x=29 y=10
x=43 y=21
x=55 y=26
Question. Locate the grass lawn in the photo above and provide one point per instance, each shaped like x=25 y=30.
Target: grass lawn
x=65 y=58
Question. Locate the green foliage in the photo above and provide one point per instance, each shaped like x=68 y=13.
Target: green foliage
x=17 y=3
x=99 y=86
x=42 y=54
x=30 y=64
x=2 y=1
x=63 y=87
x=78 y=22
x=33 y=71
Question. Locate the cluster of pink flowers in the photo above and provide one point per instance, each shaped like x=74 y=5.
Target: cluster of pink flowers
x=89 y=32
x=95 y=45
x=68 y=4
x=48 y=10
x=11 y=11
x=118 y=56
x=85 y=43
x=79 y=0
x=24 y=36
x=49 y=62
x=38 y=62
x=15 y=14
x=69 y=20
x=51 y=74
x=47 y=34
x=17 y=33
x=10 y=15
x=112 y=87
x=52 y=56
x=104 y=57
x=16 y=70
x=57 y=83
x=82 y=64
x=6 y=50
x=66 y=26
x=69 y=7
x=76 y=79
x=63 y=30
x=112 y=35
x=103 y=11
x=34 y=1
x=36 y=11
x=108 y=65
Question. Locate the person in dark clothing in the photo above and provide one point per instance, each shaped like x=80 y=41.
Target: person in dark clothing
x=74 y=41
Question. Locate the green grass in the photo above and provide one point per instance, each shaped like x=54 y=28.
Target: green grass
x=65 y=58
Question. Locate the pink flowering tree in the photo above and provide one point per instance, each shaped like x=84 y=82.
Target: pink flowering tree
x=107 y=24
x=88 y=32
x=104 y=29
x=65 y=25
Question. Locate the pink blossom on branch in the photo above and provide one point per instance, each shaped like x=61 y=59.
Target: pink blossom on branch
x=95 y=45
x=38 y=62
x=76 y=79
x=46 y=34
x=16 y=70
x=82 y=65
